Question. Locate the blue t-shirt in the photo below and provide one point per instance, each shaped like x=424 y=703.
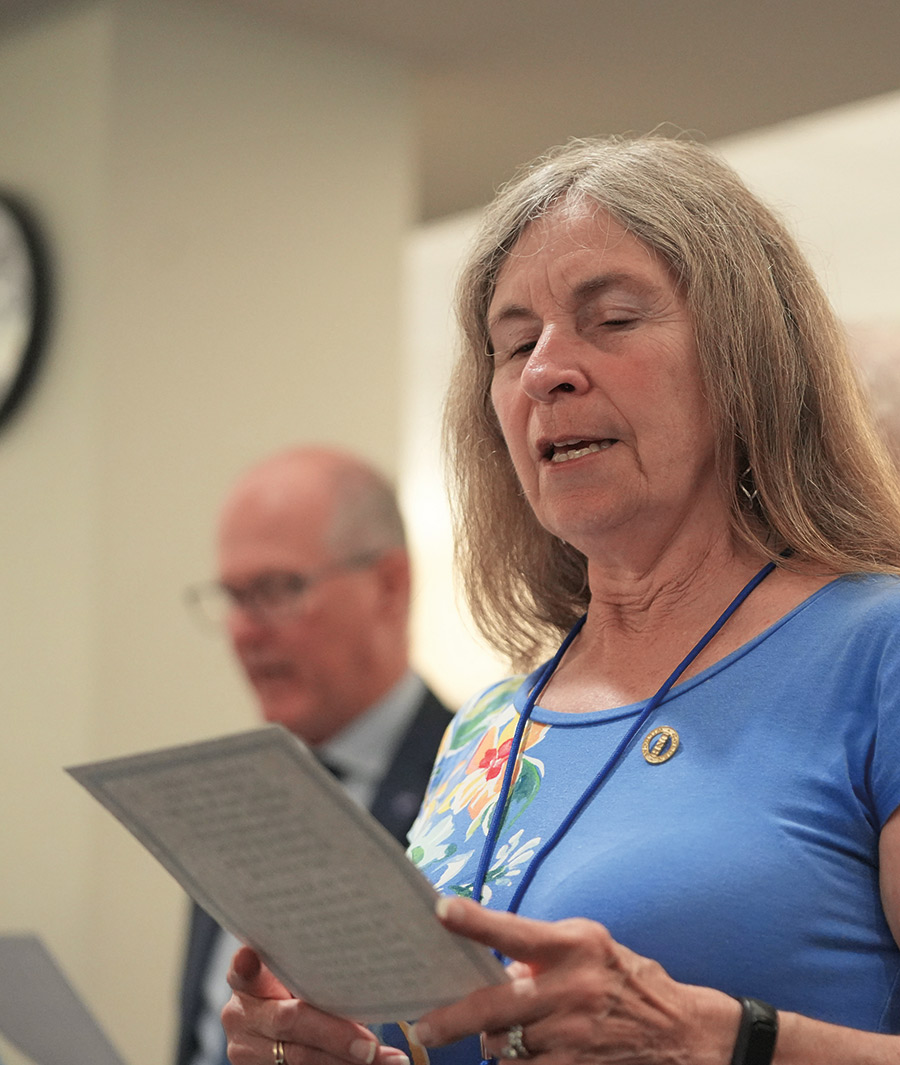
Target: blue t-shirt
x=748 y=861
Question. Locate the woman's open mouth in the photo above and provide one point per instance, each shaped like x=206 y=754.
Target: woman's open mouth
x=566 y=450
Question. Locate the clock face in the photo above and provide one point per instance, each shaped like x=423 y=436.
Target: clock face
x=22 y=304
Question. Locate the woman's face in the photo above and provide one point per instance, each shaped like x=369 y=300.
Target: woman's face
x=596 y=383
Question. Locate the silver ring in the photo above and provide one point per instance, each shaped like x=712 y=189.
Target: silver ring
x=515 y=1044
x=278 y=1052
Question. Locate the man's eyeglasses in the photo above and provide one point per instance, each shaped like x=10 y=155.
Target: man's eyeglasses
x=271 y=598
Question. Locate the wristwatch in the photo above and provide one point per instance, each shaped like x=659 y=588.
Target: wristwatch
x=755 y=1044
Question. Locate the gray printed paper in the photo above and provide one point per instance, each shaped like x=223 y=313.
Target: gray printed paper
x=40 y=1011
x=268 y=843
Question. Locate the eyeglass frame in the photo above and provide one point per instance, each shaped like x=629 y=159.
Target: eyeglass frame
x=241 y=599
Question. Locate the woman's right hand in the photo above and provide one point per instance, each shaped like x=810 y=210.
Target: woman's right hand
x=262 y=1012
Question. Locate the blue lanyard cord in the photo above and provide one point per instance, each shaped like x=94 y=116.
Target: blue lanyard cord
x=570 y=818
x=540 y=683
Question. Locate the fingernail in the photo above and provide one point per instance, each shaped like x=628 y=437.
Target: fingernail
x=523 y=985
x=396 y=1057
x=363 y=1050
x=420 y=1033
x=444 y=906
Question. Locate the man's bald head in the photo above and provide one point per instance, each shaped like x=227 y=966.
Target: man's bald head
x=326 y=515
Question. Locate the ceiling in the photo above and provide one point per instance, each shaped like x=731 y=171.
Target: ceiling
x=497 y=81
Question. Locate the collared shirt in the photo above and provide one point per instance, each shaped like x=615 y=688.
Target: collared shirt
x=360 y=754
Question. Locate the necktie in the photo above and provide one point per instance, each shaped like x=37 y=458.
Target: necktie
x=334 y=770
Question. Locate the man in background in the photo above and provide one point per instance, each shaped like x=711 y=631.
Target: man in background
x=314 y=590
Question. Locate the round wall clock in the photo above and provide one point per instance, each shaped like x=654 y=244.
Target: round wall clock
x=23 y=303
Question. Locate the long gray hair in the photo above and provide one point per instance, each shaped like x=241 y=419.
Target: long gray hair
x=797 y=456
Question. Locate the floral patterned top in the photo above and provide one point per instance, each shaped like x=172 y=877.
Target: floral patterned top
x=447 y=838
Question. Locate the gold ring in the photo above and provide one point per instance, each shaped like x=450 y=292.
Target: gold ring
x=515 y=1044
x=278 y=1052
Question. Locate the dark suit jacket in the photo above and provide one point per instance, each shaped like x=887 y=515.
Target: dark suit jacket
x=395 y=805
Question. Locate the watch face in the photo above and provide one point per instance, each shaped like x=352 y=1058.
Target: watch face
x=22 y=304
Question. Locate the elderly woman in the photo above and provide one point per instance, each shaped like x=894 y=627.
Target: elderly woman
x=683 y=828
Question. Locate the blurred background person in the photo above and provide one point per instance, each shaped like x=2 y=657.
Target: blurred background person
x=313 y=588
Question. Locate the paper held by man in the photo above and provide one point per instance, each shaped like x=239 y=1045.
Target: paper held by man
x=267 y=842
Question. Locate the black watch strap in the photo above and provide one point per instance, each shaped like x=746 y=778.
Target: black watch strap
x=757 y=1033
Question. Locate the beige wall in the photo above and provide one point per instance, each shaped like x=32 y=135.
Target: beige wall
x=224 y=205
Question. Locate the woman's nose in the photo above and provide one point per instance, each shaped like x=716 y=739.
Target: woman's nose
x=555 y=365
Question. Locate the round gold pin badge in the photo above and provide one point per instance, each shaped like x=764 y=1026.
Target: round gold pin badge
x=660 y=744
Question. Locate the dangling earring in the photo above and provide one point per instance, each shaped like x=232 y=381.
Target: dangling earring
x=748 y=486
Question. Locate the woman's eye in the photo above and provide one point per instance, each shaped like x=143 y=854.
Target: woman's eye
x=504 y=353
x=618 y=322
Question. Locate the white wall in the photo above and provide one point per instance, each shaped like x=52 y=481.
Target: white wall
x=225 y=205
x=834 y=176
x=445 y=644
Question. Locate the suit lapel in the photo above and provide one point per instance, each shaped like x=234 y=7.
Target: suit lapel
x=399 y=794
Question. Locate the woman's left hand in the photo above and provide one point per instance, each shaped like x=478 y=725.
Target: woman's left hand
x=263 y=1021
x=578 y=995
